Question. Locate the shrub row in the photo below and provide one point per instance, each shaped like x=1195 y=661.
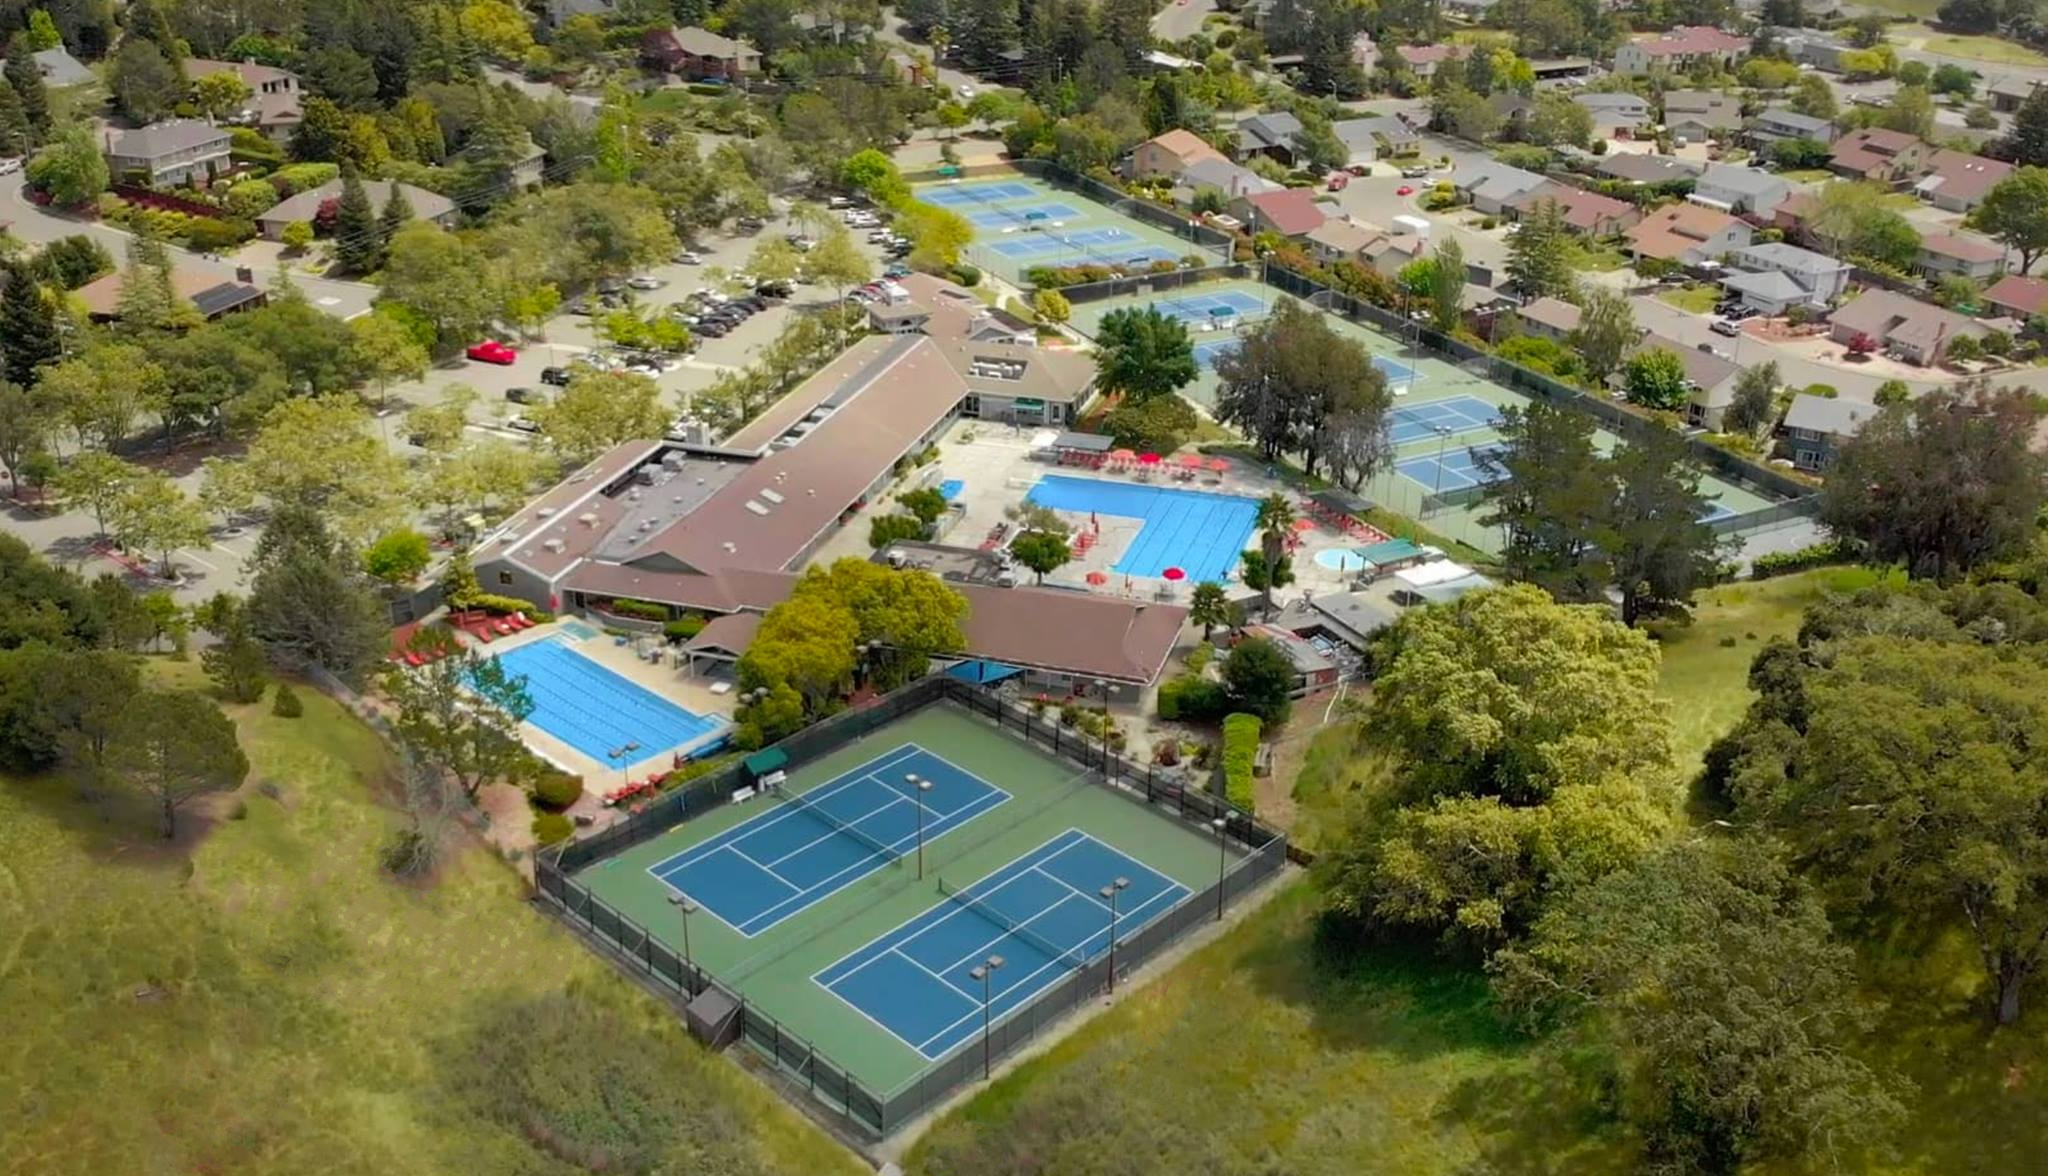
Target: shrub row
x=1191 y=698
x=555 y=791
x=1240 y=752
x=683 y=628
x=645 y=610
x=1784 y=563
x=506 y=604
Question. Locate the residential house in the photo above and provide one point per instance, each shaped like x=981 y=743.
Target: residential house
x=1473 y=11
x=1646 y=169
x=1965 y=255
x=1423 y=60
x=1339 y=239
x=59 y=68
x=1678 y=50
x=1588 y=214
x=1169 y=155
x=1818 y=50
x=1699 y=115
x=1559 y=71
x=1816 y=426
x=1616 y=116
x=1313 y=669
x=1513 y=109
x=1956 y=181
x=1549 y=318
x=1221 y=175
x=1270 y=134
x=431 y=207
x=274 y=94
x=699 y=55
x=1710 y=377
x=1740 y=190
x=177 y=153
x=1688 y=234
x=1492 y=187
x=1822 y=277
x=2017 y=296
x=2007 y=93
x=208 y=293
x=1290 y=212
x=559 y=11
x=1387 y=253
x=1768 y=292
x=1777 y=124
x=1376 y=137
x=1907 y=328
x=1874 y=153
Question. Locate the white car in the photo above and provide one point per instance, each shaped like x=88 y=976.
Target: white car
x=804 y=244
x=690 y=257
x=966 y=91
x=644 y=283
x=9 y=166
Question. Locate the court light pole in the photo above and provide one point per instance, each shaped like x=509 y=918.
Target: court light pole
x=685 y=908
x=1443 y=439
x=982 y=973
x=1109 y=894
x=1220 y=824
x=922 y=786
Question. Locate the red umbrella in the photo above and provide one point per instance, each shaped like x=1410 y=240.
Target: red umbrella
x=1098 y=579
x=1219 y=464
x=1123 y=455
x=1304 y=524
x=1191 y=461
x=1174 y=574
x=1148 y=459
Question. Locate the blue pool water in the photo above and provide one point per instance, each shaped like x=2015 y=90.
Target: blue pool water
x=1199 y=532
x=594 y=710
x=951 y=488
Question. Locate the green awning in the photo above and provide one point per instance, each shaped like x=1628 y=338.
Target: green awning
x=766 y=760
x=949 y=170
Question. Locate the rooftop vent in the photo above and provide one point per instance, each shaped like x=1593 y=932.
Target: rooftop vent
x=555 y=545
x=757 y=508
x=545 y=512
x=588 y=518
x=771 y=495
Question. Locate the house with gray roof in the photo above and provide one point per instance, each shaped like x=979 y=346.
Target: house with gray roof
x=1549 y=318
x=183 y=151
x=2007 y=93
x=1616 y=115
x=1816 y=426
x=1777 y=124
x=1222 y=175
x=1646 y=169
x=1907 y=328
x=1376 y=137
x=1710 y=378
x=1699 y=115
x=59 y=68
x=1740 y=190
x=431 y=207
x=1270 y=134
x=1822 y=277
x=1492 y=187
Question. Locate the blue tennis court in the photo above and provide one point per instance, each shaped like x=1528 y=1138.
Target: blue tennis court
x=1457 y=414
x=1043 y=914
x=1208 y=351
x=1046 y=241
x=1017 y=214
x=1197 y=531
x=1202 y=308
x=1457 y=469
x=1401 y=373
x=805 y=849
x=990 y=192
x=596 y=711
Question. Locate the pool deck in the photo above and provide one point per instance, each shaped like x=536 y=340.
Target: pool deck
x=691 y=693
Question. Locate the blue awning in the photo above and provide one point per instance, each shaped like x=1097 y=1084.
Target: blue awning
x=983 y=673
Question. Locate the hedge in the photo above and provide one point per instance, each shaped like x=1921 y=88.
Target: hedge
x=1240 y=753
x=502 y=605
x=1784 y=563
x=1191 y=698
x=549 y=828
x=645 y=610
x=555 y=791
x=683 y=628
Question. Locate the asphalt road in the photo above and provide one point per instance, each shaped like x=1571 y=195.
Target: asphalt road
x=1181 y=19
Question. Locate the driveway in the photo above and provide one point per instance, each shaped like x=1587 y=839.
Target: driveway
x=34 y=223
x=1180 y=19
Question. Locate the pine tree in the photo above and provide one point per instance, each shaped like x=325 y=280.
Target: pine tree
x=356 y=243
x=1539 y=253
x=14 y=133
x=2029 y=137
x=28 y=329
x=397 y=211
x=27 y=81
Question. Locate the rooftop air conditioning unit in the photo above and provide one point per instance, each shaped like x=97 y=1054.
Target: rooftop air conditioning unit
x=772 y=496
x=545 y=512
x=588 y=518
x=757 y=508
x=555 y=545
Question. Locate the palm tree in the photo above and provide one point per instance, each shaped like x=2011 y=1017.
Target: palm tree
x=1209 y=607
x=1275 y=522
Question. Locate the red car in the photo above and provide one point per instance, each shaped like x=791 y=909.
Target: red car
x=1404 y=190
x=492 y=351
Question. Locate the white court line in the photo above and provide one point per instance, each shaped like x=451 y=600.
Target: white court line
x=832 y=831
x=939 y=976
x=869 y=1018
x=765 y=820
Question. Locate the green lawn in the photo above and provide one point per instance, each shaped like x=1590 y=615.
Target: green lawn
x=1695 y=299
x=261 y=999
x=1991 y=50
x=1597 y=258
x=1806 y=175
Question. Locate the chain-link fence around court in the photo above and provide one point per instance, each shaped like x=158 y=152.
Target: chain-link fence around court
x=878 y=1113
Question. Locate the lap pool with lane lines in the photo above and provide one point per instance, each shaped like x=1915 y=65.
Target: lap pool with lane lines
x=595 y=710
x=1200 y=532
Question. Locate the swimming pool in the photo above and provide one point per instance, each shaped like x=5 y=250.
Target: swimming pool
x=1194 y=530
x=596 y=711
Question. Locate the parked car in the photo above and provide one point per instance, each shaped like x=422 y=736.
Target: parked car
x=523 y=424
x=522 y=396
x=9 y=166
x=555 y=376
x=1338 y=180
x=492 y=351
x=896 y=270
x=1722 y=327
x=775 y=289
x=690 y=257
x=578 y=306
x=1415 y=172
x=752 y=223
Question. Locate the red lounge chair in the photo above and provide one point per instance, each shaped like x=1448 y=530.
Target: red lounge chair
x=412 y=658
x=518 y=621
x=482 y=633
x=503 y=626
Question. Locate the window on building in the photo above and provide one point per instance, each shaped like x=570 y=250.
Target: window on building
x=504 y=577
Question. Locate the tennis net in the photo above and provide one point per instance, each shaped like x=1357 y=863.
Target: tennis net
x=1069 y=957
x=803 y=802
